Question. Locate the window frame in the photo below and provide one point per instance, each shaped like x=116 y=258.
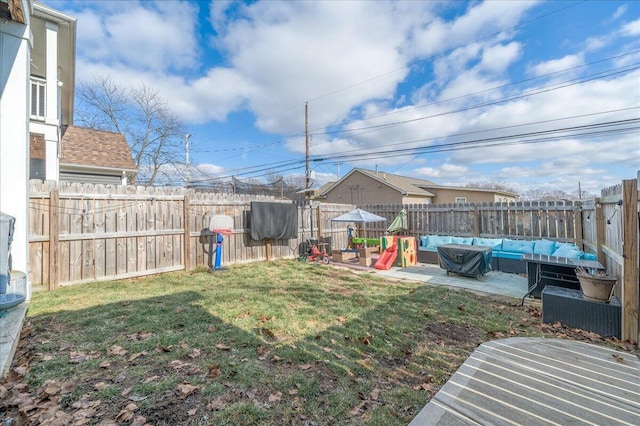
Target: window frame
x=40 y=99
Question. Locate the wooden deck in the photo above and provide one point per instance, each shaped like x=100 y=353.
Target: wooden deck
x=536 y=381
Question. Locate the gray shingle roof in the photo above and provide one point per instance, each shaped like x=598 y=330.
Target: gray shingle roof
x=411 y=186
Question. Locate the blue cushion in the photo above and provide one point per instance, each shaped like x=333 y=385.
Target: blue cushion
x=433 y=241
x=507 y=255
x=423 y=240
x=545 y=247
x=589 y=256
x=494 y=243
x=568 y=250
x=517 y=246
x=462 y=240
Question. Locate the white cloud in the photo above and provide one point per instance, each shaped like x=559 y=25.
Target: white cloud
x=620 y=11
x=444 y=171
x=148 y=35
x=556 y=65
x=631 y=29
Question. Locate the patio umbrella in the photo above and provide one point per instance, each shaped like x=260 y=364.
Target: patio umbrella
x=399 y=223
x=359 y=216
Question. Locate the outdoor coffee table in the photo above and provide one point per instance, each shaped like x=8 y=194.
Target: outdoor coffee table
x=464 y=259
x=543 y=270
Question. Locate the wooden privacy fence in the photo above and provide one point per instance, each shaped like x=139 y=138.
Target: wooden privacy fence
x=82 y=232
x=610 y=225
x=558 y=220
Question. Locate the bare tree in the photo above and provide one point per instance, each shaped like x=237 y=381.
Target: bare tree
x=495 y=184
x=155 y=133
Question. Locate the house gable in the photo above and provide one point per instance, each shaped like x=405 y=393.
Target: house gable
x=90 y=152
x=362 y=186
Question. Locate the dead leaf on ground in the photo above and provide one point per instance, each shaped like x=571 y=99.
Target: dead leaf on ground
x=141 y=335
x=214 y=371
x=619 y=358
x=293 y=391
x=105 y=364
x=327 y=350
x=195 y=353
x=136 y=356
x=342 y=319
x=178 y=310
x=68 y=387
x=375 y=393
x=139 y=421
x=100 y=385
x=86 y=403
x=268 y=332
x=50 y=388
x=183 y=390
x=305 y=366
x=125 y=303
x=126 y=414
x=223 y=347
x=64 y=345
x=192 y=412
x=116 y=350
x=150 y=379
x=461 y=308
x=276 y=358
x=275 y=397
x=77 y=357
x=356 y=411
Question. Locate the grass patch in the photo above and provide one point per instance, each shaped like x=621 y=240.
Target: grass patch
x=267 y=343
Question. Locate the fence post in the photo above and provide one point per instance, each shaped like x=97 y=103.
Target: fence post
x=54 y=237
x=476 y=221
x=578 y=227
x=600 y=230
x=187 y=232
x=630 y=260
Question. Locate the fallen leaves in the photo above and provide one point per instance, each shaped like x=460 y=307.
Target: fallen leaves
x=195 y=353
x=223 y=347
x=183 y=390
x=127 y=413
x=116 y=350
x=214 y=371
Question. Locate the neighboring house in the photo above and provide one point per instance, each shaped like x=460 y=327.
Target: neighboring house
x=95 y=156
x=361 y=187
x=52 y=86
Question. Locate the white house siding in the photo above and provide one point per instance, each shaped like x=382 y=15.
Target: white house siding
x=15 y=52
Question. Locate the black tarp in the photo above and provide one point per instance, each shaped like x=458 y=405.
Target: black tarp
x=277 y=221
x=465 y=259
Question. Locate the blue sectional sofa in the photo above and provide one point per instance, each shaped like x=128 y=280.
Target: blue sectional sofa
x=506 y=253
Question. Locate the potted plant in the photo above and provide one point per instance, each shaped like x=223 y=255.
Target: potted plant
x=596 y=285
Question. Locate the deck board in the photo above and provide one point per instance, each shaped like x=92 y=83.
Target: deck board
x=537 y=381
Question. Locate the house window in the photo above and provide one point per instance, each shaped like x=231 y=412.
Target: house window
x=38 y=89
x=461 y=200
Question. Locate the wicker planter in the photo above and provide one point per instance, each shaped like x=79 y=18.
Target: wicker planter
x=596 y=287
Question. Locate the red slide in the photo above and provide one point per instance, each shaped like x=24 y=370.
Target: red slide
x=387 y=257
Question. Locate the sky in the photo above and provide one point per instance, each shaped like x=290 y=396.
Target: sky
x=538 y=95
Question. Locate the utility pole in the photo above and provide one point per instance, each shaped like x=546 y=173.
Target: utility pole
x=306 y=144
x=338 y=170
x=186 y=157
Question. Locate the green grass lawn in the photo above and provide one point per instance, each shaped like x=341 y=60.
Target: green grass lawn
x=265 y=343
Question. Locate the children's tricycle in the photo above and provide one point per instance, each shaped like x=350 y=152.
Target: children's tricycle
x=315 y=254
